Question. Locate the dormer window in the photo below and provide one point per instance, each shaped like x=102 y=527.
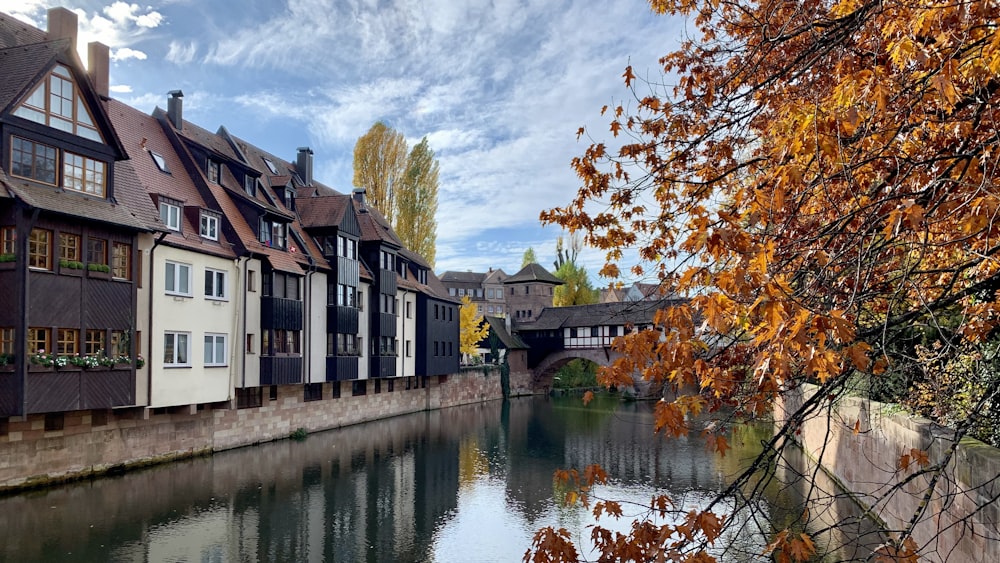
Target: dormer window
x=209 y=225
x=161 y=162
x=56 y=102
x=270 y=166
x=213 y=171
x=170 y=214
x=250 y=185
x=39 y=162
x=272 y=233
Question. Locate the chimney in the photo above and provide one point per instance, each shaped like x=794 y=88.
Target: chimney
x=98 y=66
x=62 y=25
x=304 y=164
x=359 y=196
x=175 y=109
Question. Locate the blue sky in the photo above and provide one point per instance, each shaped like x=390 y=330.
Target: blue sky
x=499 y=88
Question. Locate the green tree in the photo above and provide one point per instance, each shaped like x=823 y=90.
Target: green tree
x=529 y=257
x=417 y=202
x=379 y=166
x=577 y=290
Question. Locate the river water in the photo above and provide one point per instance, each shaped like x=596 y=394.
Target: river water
x=466 y=484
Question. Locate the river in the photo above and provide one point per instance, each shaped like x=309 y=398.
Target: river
x=465 y=484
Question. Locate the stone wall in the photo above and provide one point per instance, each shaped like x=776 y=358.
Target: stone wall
x=962 y=520
x=41 y=449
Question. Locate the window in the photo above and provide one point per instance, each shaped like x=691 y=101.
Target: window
x=40 y=249
x=34 y=161
x=121 y=261
x=120 y=343
x=6 y=340
x=387 y=260
x=170 y=214
x=409 y=313
x=409 y=351
x=8 y=238
x=277 y=284
x=213 y=171
x=176 y=349
x=215 y=284
x=56 y=103
x=272 y=233
x=479 y=309
x=97 y=251
x=38 y=340
x=270 y=166
x=312 y=392
x=451 y=291
x=94 y=343
x=395 y=307
x=461 y=292
x=69 y=247
x=278 y=341
x=347 y=344
x=83 y=174
x=67 y=342
x=161 y=162
x=250 y=185
x=479 y=293
x=595 y=331
x=251 y=280
x=361 y=301
x=215 y=349
x=359 y=387
x=250 y=344
x=489 y=308
x=489 y=293
x=249 y=397
x=178 y=279
x=345 y=296
x=209 y=226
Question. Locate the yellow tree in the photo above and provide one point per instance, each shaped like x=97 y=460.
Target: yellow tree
x=379 y=164
x=819 y=178
x=417 y=202
x=472 y=326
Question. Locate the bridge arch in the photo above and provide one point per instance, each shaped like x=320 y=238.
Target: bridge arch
x=545 y=371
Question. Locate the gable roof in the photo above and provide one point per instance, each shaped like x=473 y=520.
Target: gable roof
x=23 y=66
x=16 y=32
x=615 y=313
x=72 y=204
x=463 y=277
x=498 y=326
x=534 y=273
x=374 y=226
x=322 y=211
x=495 y=276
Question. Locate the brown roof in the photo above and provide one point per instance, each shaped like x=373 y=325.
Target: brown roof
x=73 y=204
x=322 y=211
x=22 y=67
x=16 y=32
x=207 y=139
x=143 y=135
x=463 y=277
x=534 y=273
x=374 y=226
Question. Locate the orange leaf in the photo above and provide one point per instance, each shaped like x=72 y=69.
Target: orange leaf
x=857 y=426
x=588 y=397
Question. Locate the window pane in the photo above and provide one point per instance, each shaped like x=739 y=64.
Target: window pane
x=184 y=273
x=182 y=349
x=209 y=349
x=170 y=281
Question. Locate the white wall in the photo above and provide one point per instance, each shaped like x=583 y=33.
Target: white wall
x=406 y=329
x=314 y=312
x=250 y=376
x=363 y=331
x=195 y=315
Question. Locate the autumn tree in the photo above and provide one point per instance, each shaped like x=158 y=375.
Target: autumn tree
x=417 y=202
x=472 y=326
x=819 y=178
x=379 y=167
x=577 y=289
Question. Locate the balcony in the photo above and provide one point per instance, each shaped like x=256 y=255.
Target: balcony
x=52 y=390
x=341 y=368
x=280 y=313
x=280 y=370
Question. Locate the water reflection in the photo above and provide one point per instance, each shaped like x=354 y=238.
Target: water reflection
x=463 y=484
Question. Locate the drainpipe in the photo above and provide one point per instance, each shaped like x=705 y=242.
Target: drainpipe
x=240 y=263
x=149 y=329
x=307 y=323
x=243 y=370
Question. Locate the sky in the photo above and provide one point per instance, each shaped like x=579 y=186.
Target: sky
x=499 y=88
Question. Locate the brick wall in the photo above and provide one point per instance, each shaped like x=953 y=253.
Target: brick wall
x=960 y=524
x=40 y=449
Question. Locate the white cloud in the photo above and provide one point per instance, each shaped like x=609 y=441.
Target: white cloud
x=126 y=53
x=121 y=89
x=181 y=53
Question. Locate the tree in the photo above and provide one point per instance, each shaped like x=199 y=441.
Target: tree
x=472 y=326
x=416 y=202
x=529 y=257
x=379 y=166
x=819 y=179
x=577 y=289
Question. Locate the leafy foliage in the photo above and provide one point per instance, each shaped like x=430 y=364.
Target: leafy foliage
x=472 y=326
x=379 y=166
x=417 y=202
x=577 y=289
x=529 y=257
x=819 y=180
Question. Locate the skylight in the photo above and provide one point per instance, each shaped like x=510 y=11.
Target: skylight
x=161 y=162
x=270 y=166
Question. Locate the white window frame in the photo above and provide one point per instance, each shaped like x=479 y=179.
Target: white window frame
x=177 y=338
x=175 y=279
x=213 y=275
x=170 y=214
x=210 y=342
x=209 y=226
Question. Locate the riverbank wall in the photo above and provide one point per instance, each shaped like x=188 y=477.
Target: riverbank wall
x=860 y=443
x=38 y=450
